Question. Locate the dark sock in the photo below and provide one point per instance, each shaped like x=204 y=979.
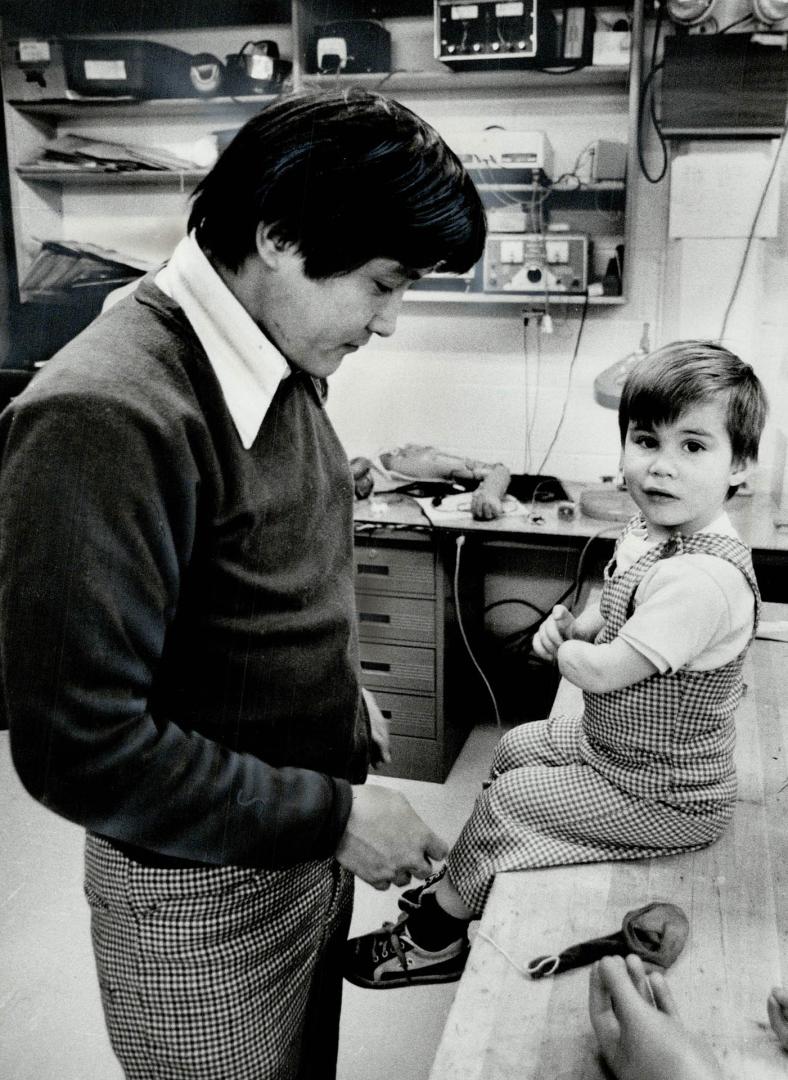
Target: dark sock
x=432 y=928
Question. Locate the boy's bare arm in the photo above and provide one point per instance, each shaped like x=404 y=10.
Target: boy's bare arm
x=599 y=668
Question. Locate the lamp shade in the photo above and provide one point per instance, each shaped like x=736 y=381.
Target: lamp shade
x=690 y=12
x=770 y=11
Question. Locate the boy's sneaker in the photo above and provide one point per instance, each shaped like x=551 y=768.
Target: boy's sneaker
x=388 y=958
x=410 y=899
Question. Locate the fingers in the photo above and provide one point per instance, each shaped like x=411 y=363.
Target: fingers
x=379 y=728
x=485 y=505
x=777 y=1008
x=435 y=849
x=639 y=977
x=563 y=617
x=617 y=980
x=600 y=1010
x=598 y=992
x=663 y=997
x=385 y=841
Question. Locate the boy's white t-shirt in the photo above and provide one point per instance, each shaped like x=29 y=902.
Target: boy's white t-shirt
x=692 y=611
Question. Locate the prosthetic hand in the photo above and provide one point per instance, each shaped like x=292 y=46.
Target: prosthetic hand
x=428 y=463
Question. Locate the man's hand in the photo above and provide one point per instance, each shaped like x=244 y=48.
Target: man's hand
x=554 y=631
x=635 y=1020
x=385 y=841
x=379 y=727
x=363 y=481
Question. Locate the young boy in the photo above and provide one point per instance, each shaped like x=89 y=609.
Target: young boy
x=648 y=768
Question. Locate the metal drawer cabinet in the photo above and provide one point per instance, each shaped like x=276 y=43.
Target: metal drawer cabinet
x=410 y=648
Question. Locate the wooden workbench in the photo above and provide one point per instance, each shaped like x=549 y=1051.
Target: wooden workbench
x=505 y=1026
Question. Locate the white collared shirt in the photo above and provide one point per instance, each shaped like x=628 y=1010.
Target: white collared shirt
x=247 y=365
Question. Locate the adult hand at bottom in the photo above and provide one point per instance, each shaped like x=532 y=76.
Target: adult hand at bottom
x=640 y=1040
x=385 y=841
x=777 y=1006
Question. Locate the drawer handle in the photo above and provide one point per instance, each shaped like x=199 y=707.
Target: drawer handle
x=369 y=568
x=370 y=616
x=372 y=665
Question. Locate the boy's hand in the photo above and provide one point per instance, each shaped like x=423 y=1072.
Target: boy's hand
x=554 y=631
x=777 y=1006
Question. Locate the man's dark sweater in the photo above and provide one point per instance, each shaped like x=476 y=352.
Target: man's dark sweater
x=177 y=635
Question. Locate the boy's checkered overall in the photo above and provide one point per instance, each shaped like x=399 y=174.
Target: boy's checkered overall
x=645 y=771
x=220 y=973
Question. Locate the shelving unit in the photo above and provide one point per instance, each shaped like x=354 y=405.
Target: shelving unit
x=90 y=177
x=423 y=82
x=99 y=108
x=143 y=213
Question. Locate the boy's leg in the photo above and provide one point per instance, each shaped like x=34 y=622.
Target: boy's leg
x=553 y=741
x=542 y=742
x=557 y=815
x=205 y=974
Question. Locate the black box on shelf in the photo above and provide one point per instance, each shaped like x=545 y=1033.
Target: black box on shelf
x=724 y=85
x=33 y=70
x=349 y=47
x=105 y=67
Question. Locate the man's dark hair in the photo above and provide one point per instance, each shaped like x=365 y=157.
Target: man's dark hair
x=345 y=177
x=669 y=380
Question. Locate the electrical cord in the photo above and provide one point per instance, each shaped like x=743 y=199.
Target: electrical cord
x=572 y=363
x=751 y=235
x=520 y=639
x=526 y=393
x=460 y=542
x=647 y=94
x=749 y=17
x=514 y=600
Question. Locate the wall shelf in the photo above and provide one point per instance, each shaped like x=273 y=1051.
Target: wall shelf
x=502 y=81
x=90 y=177
x=523 y=299
x=102 y=108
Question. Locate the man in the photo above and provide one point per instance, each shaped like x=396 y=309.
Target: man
x=178 y=650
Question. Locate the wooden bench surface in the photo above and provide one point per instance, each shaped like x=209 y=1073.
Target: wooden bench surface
x=735 y=893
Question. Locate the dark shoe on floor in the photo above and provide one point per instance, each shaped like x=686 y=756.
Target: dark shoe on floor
x=389 y=958
x=410 y=899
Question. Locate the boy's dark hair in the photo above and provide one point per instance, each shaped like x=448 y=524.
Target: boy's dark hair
x=671 y=379
x=345 y=177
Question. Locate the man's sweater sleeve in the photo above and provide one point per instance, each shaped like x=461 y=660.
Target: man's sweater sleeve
x=97 y=513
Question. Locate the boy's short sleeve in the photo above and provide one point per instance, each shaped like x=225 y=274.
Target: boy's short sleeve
x=693 y=611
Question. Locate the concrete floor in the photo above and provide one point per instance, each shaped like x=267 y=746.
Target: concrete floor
x=51 y=1025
